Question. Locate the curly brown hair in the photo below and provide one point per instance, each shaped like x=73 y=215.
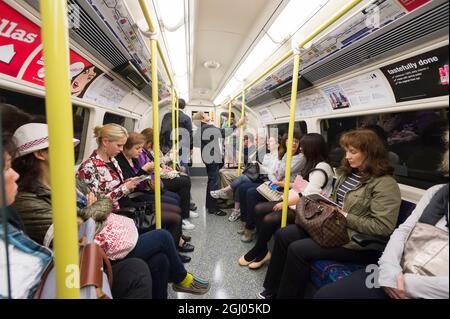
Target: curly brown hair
x=376 y=160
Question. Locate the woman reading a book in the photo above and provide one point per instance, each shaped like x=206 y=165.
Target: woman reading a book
x=316 y=176
x=368 y=197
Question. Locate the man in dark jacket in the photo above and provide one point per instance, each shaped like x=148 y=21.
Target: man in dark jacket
x=185 y=137
x=212 y=154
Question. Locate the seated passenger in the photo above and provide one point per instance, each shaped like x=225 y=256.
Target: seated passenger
x=180 y=184
x=117 y=235
x=317 y=174
x=170 y=214
x=131 y=278
x=396 y=280
x=267 y=167
x=248 y=197
x=369 y=199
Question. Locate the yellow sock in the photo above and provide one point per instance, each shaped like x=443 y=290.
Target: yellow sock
x=187 y=280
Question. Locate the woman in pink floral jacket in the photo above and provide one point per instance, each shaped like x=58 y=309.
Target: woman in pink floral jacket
x=101 y=172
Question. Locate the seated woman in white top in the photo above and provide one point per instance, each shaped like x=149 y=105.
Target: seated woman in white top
x=406 y=273
x=315 y=177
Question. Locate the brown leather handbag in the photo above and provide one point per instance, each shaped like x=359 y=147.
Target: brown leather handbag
x=323 y=223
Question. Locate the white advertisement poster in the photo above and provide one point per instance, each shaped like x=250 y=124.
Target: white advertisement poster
x=311 y=104
x=106 y=91
x=368 y=91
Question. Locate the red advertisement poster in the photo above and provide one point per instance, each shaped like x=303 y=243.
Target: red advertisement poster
x=19 y=38
x=411 y=5
x=82 y=73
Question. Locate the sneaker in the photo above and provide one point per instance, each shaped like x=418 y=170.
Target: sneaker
x=198 y=287
x=217 y=212
x=266 y=294
x=218 y=194
x=193 y=214
x=186 y=225
x=192 y=206
x=235 y=214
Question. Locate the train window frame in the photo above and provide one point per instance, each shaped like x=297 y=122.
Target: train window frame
x=303 y=125
x=402 y=171
x=35 y=106
x=126 y=122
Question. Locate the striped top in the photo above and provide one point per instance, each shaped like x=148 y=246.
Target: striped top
x=350 y=183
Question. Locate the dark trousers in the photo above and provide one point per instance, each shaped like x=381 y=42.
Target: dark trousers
x=351 y=287
x=182 y=186
x=213 y=184
x=131 y=280
x=293 y=253
x=158 y=250
x=267 y=222
x=249 y=198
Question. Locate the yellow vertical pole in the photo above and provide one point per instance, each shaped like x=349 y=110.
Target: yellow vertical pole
x=58 y=103
x=156 y=149
x=287 y=180
x=174 y=146
x=229 y=113
x=241 y=135
x=177 y=157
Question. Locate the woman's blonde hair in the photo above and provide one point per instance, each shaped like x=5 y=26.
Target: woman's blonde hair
x=112 y=132
x=199 y=116
x=444 y=165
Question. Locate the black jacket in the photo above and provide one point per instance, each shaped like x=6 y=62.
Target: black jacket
x=185 y=122
x=210 y=142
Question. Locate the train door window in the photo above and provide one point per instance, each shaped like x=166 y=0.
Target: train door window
x=35 y=106
x=413 y=139
x=284 y=128
x=224 y=119
x=119 y=119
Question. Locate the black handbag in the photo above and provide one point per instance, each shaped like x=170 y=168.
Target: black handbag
x=251 y=170
x=140 y=210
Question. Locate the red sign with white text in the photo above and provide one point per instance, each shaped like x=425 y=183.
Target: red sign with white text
x=19 y=38
x=411 y=5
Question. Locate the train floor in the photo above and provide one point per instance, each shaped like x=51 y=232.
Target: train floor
x=217 y=250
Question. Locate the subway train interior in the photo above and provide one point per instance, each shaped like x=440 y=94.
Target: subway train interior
x=224 y=149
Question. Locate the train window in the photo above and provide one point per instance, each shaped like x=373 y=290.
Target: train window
x=284 y=128
x=36 y=106
x=413 y=139
x=119 y=119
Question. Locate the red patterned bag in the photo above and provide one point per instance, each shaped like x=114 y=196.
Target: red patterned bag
x=118 y=237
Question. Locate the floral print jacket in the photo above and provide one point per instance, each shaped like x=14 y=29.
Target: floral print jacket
x=102 y=179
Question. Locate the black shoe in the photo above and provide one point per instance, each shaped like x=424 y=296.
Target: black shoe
x=186 y=238
x=192 y=207
x=217 y=212
x=186 y=248
x=266 y=294
x=184 y=259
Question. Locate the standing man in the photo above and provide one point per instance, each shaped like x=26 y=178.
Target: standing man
x=212 y=156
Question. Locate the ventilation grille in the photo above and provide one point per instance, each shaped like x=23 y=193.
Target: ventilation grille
x=97 y=39
x=425 y=24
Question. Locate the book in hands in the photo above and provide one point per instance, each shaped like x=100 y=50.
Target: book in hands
x=320 y=198
x=141 y=178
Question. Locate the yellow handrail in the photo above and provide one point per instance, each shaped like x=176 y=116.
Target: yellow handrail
x=300 y=46
x=55 y=40
x=152 y=29
x=287 y=175
x=241 y=136
x=174 y=147
x=177 y=153
x=229 y=113
x=156 y=149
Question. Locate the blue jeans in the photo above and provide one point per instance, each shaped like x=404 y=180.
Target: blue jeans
x=164 y=268
x=213 y=185
x=238 y=181
x=248 y=197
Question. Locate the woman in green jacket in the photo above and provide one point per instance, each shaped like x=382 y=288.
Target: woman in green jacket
x=368 y=197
